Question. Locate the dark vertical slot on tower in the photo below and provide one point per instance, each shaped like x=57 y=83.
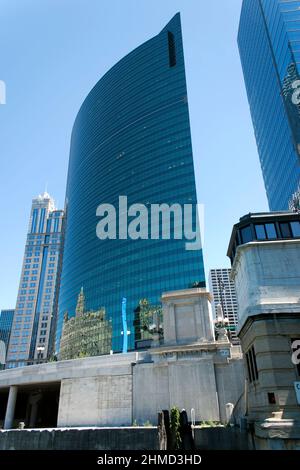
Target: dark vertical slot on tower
x=172 y=49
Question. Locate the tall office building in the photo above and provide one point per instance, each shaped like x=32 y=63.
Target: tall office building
x=269 y=44
x=131 y=138
x=224 y=294
x=6 y=321
x=37 y=296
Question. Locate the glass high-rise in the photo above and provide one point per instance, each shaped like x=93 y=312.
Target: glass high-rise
x=6 y=321
x=131 y=137
x=269 y=44
x=36 y=306
x=224 y=294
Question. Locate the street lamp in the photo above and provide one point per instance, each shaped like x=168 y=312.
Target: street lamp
x=156 y=328
x=221 y=325
x=222 y=288
x=40 y=349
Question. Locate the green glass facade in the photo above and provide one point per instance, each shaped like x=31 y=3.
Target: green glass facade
x=6 y=321
x=131 y=137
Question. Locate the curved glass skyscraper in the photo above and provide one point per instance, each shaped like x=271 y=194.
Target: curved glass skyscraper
x=131 y=138
x=269 y=44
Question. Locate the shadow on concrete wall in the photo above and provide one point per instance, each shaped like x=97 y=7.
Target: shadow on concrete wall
x=220 y=438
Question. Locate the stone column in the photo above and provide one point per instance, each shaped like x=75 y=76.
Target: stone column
x=34 y=401
x=33 y=415
x=10 y=408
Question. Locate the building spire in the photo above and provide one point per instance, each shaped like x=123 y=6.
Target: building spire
x=80 y=304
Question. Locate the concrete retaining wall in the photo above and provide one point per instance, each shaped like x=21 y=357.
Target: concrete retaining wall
x=220 y=439
x=134 y=438
x=186 y=384
x=96 y=401
x=230 y=379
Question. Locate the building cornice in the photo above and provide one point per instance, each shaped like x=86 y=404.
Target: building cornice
x=186 y=293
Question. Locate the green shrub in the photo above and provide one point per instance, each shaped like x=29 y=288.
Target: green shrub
x=210 y=424
x=147 y=423
x=175 y=428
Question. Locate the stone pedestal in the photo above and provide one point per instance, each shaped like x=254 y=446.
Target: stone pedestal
x=187 y=317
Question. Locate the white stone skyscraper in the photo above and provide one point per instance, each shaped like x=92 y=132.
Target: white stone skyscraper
x=35 y=313
x=223 y=291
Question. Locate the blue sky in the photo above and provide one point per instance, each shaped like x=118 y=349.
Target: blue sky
x=54 y=51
